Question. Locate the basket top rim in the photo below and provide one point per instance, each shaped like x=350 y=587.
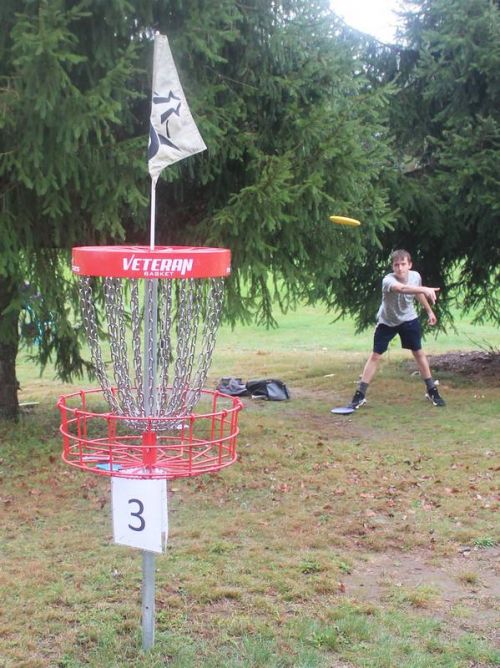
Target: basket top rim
x=133 y=261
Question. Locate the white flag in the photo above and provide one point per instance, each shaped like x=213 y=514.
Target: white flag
x=173 y=134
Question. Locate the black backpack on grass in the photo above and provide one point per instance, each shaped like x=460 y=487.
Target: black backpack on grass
x=268 y=388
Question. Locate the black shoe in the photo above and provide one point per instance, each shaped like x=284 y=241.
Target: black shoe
x=434 y=396
x=357 y=401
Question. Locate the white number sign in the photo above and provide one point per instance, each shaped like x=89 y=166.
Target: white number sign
x=140 y=516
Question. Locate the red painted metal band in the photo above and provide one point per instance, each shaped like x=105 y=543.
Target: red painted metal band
x=142 y=262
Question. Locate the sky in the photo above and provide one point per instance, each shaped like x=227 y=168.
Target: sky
x=374 y=17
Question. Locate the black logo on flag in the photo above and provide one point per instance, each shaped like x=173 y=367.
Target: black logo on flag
x=155 y=138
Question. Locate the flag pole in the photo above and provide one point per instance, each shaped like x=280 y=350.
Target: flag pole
x=148 y=589
x=150 y=321
x=152 y=219
x=173 y=136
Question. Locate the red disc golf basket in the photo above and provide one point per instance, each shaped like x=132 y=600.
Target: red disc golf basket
x=160 y=309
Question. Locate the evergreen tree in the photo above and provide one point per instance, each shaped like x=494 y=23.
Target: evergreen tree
x=293 y=135
x=293 y=132
x=445 y=118
x=68 y=163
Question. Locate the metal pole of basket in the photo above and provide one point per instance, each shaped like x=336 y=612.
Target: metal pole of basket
x=148 y=599
x=149 y=392
x=167 y=104
x=148 y=558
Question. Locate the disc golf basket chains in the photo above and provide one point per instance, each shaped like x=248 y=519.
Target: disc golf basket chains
x=163 y=308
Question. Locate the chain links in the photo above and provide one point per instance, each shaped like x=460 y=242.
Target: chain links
x=179 y=335
x=165 y=353
x=136 y=339
x=115 y=312
x=92 y=332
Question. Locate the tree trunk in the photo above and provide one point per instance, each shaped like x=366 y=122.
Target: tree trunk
x=9 y=342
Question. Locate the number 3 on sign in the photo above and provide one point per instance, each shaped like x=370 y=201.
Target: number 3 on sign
x=140 y=513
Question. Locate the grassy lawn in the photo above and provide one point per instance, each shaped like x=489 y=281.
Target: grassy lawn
x=362 y=541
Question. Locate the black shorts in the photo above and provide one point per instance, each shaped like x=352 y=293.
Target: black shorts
x=409 y=333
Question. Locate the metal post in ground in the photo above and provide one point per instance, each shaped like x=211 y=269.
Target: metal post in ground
x=148 y=600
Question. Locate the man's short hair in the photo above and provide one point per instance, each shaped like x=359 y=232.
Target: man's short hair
x=400 y=254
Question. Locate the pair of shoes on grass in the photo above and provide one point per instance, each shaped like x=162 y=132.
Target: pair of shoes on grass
x=433 y=395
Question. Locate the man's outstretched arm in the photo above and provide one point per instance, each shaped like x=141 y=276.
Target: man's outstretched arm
x=429 y=293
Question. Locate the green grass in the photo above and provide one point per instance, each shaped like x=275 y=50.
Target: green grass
x=313 y=328
x=272 y=562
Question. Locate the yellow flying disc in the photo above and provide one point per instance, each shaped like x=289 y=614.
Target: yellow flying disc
x=341 y=220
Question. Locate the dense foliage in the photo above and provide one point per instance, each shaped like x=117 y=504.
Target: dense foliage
x=293 y=135
x=444 y=184
x=69 y=164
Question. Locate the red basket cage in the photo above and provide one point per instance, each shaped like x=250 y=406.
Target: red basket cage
x=101 y=442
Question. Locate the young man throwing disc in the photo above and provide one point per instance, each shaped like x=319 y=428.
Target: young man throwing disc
x=397 y=315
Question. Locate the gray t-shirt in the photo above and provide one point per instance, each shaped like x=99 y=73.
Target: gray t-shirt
x=397 y=307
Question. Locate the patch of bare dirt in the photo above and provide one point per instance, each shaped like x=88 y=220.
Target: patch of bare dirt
x=476 y=363
x=466 y=586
